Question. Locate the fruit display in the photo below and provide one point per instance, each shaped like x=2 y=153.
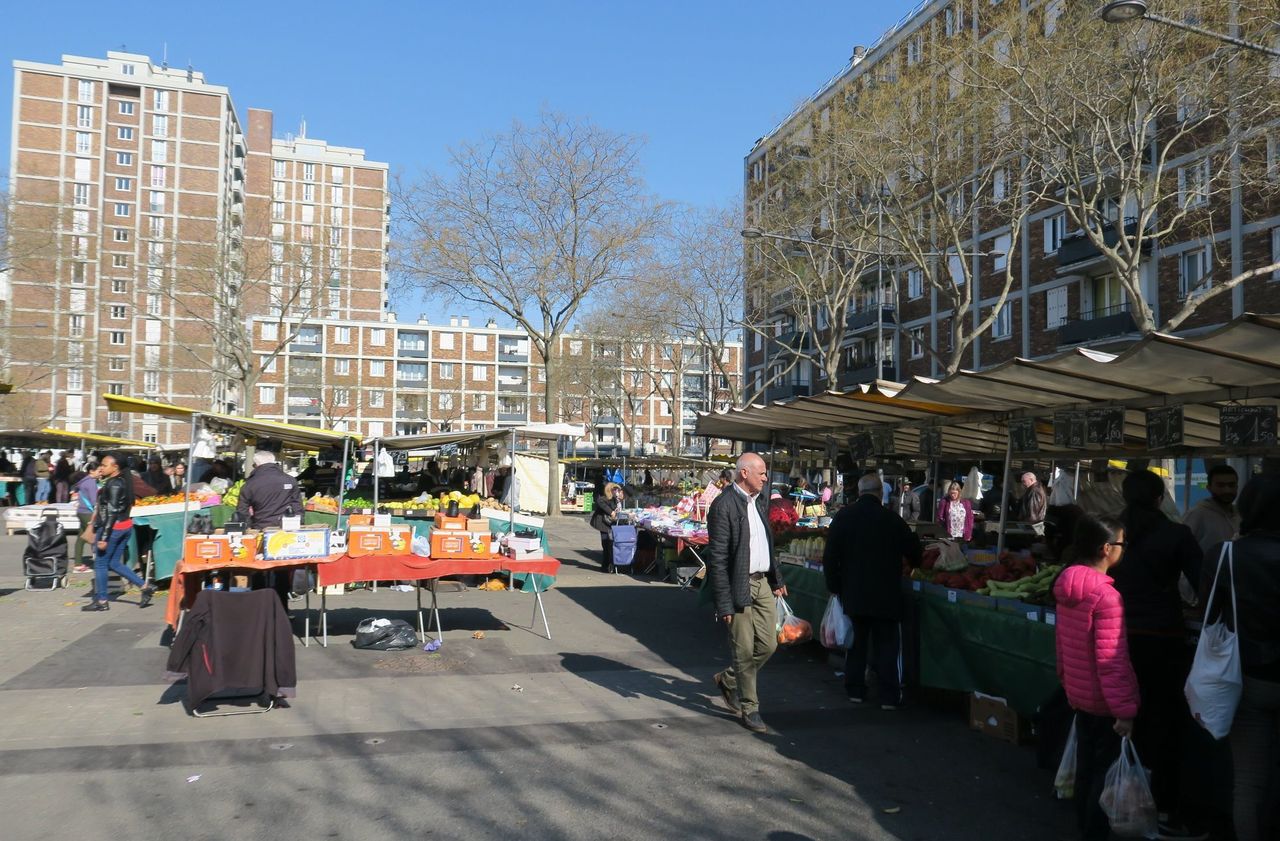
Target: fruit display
x=322 y=503
x=199 y=498
x=424 y=504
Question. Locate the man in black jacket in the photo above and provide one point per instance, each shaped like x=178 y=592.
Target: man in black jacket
x=268 y=495
x=863 y=566
x=744 y=580
x=904 y=503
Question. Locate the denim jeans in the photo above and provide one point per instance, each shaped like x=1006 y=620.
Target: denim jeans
x=42 y=490
x=110 y=559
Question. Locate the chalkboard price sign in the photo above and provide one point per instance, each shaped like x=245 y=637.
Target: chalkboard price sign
x=860 y=446
x=1164 y=427
x=833 y=449
x=1022 y=435
x=1247 y=426
x=1069 y=429
x=931 y=441
x=1106 y=426
x=882 y=442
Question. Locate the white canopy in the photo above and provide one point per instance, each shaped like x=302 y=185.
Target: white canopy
x=541 y=431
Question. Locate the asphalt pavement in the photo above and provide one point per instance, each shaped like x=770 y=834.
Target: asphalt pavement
x=611 y=729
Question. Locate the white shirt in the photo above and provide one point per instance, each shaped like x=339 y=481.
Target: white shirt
x=758 y=538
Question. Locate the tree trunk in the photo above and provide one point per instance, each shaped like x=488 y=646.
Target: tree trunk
x=551 y=398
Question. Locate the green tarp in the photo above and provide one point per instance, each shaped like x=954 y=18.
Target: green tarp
x=166 y=551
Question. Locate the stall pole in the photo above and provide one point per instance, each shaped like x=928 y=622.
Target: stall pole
x=375 y=475
x=342 y=479
x=773 y=445
x=186 y=494
x=1075 y=489
x=1004 y=507
x=1186 y=485
x=511 y=491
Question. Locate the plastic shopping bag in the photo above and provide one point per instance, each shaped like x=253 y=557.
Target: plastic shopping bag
x=791 y=628
x=837 y=629
x=1126 y=798
x=1213 y=688
x=1064 y=784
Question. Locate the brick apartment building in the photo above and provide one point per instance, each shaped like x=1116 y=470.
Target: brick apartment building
x=387 y=378
x=1063 y=294
x=142 y=210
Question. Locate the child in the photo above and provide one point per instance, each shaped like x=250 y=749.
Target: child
x=1093 y=662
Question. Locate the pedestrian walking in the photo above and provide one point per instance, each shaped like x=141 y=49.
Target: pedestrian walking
x=112 y=527
x=866 y=544
x=62 y=471
x=43 y=473
x=745 y=580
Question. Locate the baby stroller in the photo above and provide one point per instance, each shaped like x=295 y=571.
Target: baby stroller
x=44 y=562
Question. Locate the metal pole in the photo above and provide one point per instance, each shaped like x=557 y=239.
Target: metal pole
x=342 y=478
x=773 y=445
x=1186 y=485
x=1004 y=507
x=375 y=474
x=511 y=488
x=1075 y=489
x=186 y=495
x=880 y=290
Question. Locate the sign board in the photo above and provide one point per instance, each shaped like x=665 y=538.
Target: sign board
x=1069 y=429
x=448 y=449
x=860 y=446
x=1022 y=435
x=400 y=457
x=931 y=441
x=1164 y=427
x=833 y=449
x=1247 y=426
x=1106 y=426
x=882 y=442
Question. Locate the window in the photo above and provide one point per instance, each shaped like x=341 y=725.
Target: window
x=160 y=125
x=479 y=373
x=124 y=133
x=342 y=335
x=119 y=286
x=335 y=257
x=120 y=234
x=376 y=400
x=122 y=209
x=270 y=332
x=157 y=201
x=575 y=347
x=80 y=195
x=267 y=394
x=308 y=213
x=1002 y=327
x=335 y=303
x=915 y=283
x=378 y=337
x=1193 y=183
x=446 y=402
x=336 y=174
x=335 y=236
x=277 y=210
x=158 y=176
x=151 y=356
x=1052 y=12
x=115 y=388
x=999 y=184
x=342 y=367
x=277 y=231
x=277 y=189
x=79 y=300
x=84 y=142
x=1001 y=246
x=954 y=20
x=85 y=88
x=480 y=402
x=150 y=382
x=78 y=271
x=80 y=247
x=916 y=335
x=1055 y=229
x=116 y=363
x=337 y=196
x=377 y=369
x=162 y=100
x=342 y=397
x=152 y=330
x=915 y=49
x=1055 y=306
x=116 y=312
x=480 y=344
x=154 y=303
x=117 y=337
x=445 y=341
x=277 y=169
x=268 y=363
x=335 y=216
x=1193 y=271
x=955 y=265
x=126 y=107
x=124 y=158
x=84 y=116
x=308 y=192
x=155 y=225
x=446 y=370
x=159 y=151
x=308 y=172
x=128 y=69
x=124 y=184
x=76 y=329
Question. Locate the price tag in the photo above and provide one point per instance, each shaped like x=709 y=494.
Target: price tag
x=1033 y=615
x=1050 y=618
x=290 y=523
x=382 y=520
x=951 y=596
x=915 y=585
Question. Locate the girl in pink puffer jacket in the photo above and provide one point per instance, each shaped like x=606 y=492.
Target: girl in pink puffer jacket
x=1093 y=662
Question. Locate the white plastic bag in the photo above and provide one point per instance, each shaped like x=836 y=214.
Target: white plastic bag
x=1064 y=784
x=837 y=629
x=1213 y=688
x=1126 y=798
x=791 y=628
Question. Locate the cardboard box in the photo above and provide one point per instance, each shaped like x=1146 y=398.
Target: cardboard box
x=518 y=554
x=359 y=520
x=478 y=524
x=445 y=522
x=295 y=544
x=379 y=540
x=460 y=544
x=993 y=716
x=527 y=544
x=219 y=549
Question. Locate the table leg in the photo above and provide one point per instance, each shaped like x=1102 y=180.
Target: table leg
x=324 y=619
x=538 y=607
x=422 y=631
x=306 y=622
x=435 y=611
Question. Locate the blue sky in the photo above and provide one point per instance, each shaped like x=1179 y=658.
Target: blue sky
x=699 y=80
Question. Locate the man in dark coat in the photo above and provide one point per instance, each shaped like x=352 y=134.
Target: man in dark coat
x=863 y=566
x=744 y=579
x=268 y=495
x=904 y=503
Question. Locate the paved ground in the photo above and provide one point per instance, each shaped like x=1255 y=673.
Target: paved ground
x=611 y=729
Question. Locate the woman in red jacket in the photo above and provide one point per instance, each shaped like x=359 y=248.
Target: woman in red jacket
x=1093 y=662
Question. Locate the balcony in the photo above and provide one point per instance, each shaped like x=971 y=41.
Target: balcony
x=785 y=391
x=513 y=417
x=412 y=352
x=607 y=419
x=510 y=352
x=301 y=345
x=402 y=383
x=865 y=320
x=1076 y=248
x=413 y=414
x=795 y=340
x=517 y=387
x=1107 y=323
x=851 y=377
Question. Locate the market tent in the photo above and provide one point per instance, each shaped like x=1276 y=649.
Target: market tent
x=292 y=436
x=49 y=437
x=650 y=463
x=540 y=431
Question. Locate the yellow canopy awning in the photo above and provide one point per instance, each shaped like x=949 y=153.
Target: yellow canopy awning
x=290 y=435
x=50 y=437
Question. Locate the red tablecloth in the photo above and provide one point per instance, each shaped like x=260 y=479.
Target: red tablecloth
x=180 y=598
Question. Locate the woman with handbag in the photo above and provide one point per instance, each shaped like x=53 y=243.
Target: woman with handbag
x=603 y=518
x=1093 y=663
x=1255 y=731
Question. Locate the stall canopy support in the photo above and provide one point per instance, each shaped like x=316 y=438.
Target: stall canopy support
x=1004 y=504
x=342 y=479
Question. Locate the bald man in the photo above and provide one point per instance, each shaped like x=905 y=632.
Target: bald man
x=744 y=579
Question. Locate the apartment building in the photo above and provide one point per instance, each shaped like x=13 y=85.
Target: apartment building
x=1064 y=293
x=389 y=378
x=172 y=221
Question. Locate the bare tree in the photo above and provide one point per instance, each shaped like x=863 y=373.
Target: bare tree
x=607 y=378
x=1144 y=134
x=530 y=223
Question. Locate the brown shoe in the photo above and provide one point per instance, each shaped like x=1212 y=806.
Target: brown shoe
x=730 y=697
x=753 y=722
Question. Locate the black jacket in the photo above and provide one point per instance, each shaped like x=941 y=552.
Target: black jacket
x=602 y=515
x=1156 y=554
x=268 y=495
x=863 y=559
x=729 y=550
x=159 y=481
x=235 y=642
x=115 y=501
x=1256 y=561
x=905 y=505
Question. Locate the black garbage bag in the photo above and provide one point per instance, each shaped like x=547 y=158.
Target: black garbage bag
x=385 y=635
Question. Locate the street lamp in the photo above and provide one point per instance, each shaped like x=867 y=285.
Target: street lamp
x=1123 y=11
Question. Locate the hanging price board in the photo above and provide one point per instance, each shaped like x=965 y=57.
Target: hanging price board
x=1022 y=435
x=1164 y=427
x=931 y=441
x=1106 y=426
x=860 y=446
x=882 y=441
x=1247 y=426
x=1069 y=429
